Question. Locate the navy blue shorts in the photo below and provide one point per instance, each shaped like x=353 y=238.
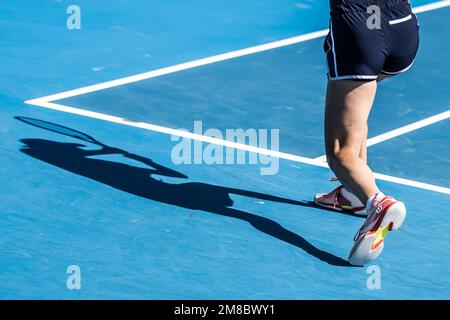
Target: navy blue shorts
x=370 y=37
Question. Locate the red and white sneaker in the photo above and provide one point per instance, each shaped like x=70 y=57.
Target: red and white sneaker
x=341 y=200
x=385 y=214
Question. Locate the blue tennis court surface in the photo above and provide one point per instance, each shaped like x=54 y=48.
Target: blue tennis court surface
x=144 y=227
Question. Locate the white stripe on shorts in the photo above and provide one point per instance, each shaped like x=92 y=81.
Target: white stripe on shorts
x=400 y=20
x=333 y=48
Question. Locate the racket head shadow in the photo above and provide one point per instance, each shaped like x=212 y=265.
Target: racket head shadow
x=56 y=128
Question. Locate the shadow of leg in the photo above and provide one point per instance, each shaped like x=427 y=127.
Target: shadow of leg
x=275 y=230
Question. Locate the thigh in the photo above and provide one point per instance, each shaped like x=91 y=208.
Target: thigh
x=347 y=109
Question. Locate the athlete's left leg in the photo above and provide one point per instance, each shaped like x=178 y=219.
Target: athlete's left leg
x=347 y=109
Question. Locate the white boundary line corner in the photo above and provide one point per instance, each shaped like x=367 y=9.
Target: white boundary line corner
x=49 y=103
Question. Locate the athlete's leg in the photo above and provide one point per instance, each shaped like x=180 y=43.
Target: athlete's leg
x=347 y=109
x=363 y=150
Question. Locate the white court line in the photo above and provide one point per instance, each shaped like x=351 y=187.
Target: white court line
x=229 y=144
x=208 y=60
x=408 y=128
x=176 y=132
x=181 y=67
x=412 y=183
x=402 y=130
x=47 y=101
x=431 y=6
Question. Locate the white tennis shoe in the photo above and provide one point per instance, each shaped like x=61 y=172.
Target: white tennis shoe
x=384 y=215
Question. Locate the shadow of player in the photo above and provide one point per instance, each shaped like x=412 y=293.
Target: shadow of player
x=190 y=195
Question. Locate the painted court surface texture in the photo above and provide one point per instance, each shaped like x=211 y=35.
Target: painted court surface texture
x=144 y=227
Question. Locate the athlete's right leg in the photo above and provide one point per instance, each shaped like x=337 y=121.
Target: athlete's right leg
x=347 y=109
x=363 y=149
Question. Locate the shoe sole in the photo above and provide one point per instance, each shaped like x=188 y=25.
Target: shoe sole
x=370 y=246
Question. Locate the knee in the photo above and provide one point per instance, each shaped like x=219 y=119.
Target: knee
x=342 y=156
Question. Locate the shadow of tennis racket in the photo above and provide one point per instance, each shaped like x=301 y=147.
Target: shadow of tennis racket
x=76 y=134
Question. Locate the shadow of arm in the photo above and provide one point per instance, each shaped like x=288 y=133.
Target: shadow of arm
x=159 y=169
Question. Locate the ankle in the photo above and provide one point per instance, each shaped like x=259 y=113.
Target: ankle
x=376 y=196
